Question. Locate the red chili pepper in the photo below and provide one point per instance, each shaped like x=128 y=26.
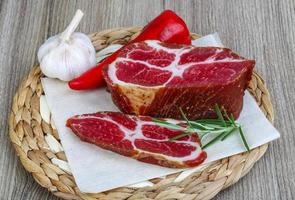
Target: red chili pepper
x=167 y=27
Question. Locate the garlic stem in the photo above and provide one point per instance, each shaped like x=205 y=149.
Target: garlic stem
x=72 y=26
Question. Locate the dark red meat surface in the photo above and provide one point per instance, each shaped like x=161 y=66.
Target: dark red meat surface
x=156 y=79
x=139 y=138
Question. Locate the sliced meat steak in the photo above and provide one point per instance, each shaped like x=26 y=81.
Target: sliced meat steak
x=139 y=138
x=156 y=79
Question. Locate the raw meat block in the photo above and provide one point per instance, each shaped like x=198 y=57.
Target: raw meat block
x=156 y=79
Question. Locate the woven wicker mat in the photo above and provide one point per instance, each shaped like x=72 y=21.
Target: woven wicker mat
x=27 y=133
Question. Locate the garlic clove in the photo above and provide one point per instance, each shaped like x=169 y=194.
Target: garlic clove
x=45 y=48
x=83 y=40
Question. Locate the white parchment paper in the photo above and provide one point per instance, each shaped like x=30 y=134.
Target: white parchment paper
x=97 y=170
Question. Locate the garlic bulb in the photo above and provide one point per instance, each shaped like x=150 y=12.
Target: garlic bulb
x=67 y=55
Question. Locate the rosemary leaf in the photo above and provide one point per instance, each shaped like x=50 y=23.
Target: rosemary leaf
x=243 y=138
x=215 y=126
x=200 y=126
x=203 y=135
x=184 y=117
x=219 y=114
x=167 y=124
x=221 y=130
x=212 y=121
x=208 y=121
x=233 y=119
x=229 y=118
x=212 y=141
x=180 y=136
x=226 y=135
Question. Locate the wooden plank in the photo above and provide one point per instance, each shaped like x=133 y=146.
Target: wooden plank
x=263 y=30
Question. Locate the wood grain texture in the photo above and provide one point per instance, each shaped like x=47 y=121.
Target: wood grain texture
x=263 y=30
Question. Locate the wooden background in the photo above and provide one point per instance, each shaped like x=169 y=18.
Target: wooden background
x=263 y=30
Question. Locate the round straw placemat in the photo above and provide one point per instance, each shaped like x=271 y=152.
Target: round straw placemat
x=28 y=132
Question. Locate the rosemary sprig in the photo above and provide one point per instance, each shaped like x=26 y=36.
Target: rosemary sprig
x=221 y=128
